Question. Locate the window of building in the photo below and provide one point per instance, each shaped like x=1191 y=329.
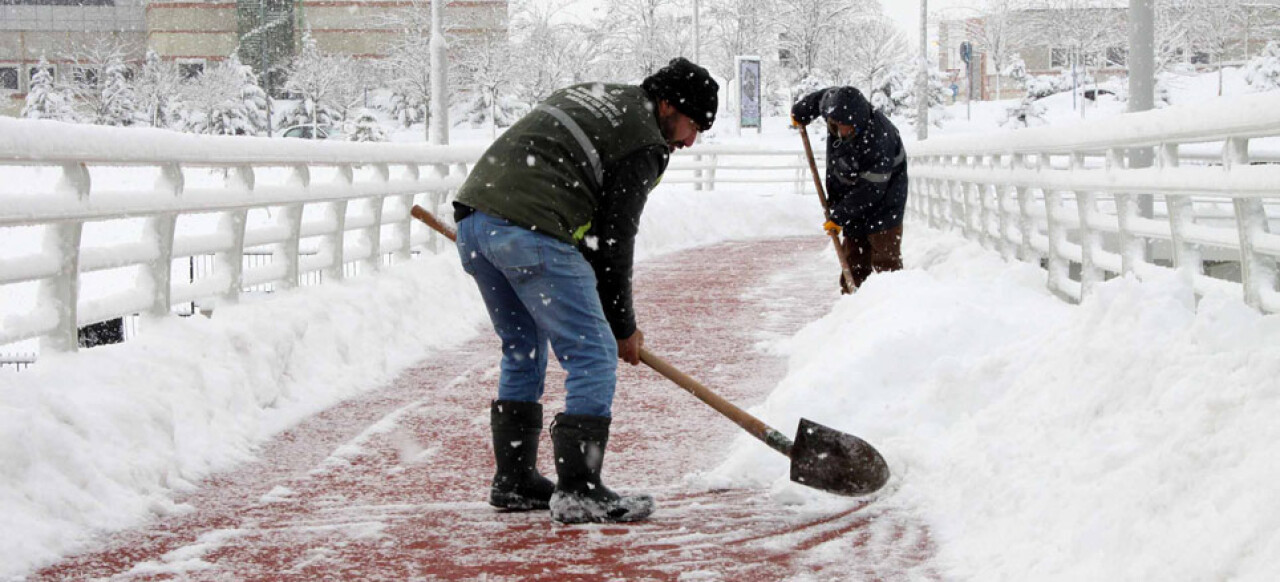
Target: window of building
x=191 y=70
x=1199 y=58
x=9 y=78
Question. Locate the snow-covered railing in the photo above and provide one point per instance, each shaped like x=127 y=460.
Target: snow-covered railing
x=315 y=206
x=203 y=211
x=1070 y=198
x=705 y=165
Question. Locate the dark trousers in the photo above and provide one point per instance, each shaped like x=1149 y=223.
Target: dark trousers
x=872 y=253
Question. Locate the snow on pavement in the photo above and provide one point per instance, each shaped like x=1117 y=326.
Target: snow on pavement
x=1128 y=438
x=103 y=439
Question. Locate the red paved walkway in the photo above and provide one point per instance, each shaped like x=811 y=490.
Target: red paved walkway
x=391 y=485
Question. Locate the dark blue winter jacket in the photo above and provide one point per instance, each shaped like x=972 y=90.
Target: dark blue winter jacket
x=866 y=173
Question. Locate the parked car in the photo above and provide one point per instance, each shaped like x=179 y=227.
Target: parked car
x=311 y=132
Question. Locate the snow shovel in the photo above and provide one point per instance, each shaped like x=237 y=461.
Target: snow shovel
x=430 y=220
x=821 y=457
x=846 y=286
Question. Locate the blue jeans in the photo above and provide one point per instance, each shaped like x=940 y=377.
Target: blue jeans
x=540 y=290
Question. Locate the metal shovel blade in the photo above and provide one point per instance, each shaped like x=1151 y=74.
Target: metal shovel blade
x=830 y=460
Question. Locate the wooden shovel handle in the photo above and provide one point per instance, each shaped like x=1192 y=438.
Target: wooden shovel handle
x=776 y=440
x=826 y=211
x=430 y=219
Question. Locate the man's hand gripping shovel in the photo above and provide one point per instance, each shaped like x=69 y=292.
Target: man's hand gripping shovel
x=821 y=457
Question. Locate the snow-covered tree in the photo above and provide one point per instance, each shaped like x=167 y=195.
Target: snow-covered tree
x=1262 y=72
x=407 y=108
x=224 y=100
x=891 y=91
x=808 y=26
x=488 y=68
x=315 y=78
x=365 y=127
x=738 y=27
x=45 y=100
x=867 y=48
x=102 y=94
x=157 y=87
x=406 y=67
x=1083 y=28
x=998 y=34
x=645 y=35
x=550 y=54
x=253 y=99
x=1216 y=26
x=936 y=94
x=348 y=96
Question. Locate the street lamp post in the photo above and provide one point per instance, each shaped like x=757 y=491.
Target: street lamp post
x=922 y=78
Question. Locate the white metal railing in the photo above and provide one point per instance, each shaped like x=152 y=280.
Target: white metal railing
x=211 y=207
x=706 y=165
x=1077 y=201
x=315 y=206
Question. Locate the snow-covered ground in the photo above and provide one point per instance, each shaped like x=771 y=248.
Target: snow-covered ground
x=104 y=438
x=1127 y=438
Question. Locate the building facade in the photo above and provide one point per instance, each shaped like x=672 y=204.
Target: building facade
x=194 y=33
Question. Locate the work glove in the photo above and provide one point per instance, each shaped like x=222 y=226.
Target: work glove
x=831 y=227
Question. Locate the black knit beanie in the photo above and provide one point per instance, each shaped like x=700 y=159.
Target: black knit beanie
x=687 y=87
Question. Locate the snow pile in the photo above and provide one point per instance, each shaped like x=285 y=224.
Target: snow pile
x=1128 y=438
x=102 y=439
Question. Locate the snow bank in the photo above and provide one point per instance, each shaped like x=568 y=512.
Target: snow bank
x=103 y=439
x=1128 y=438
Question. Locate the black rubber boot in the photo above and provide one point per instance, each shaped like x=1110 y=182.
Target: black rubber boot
x=517 y=485
x=580 y=497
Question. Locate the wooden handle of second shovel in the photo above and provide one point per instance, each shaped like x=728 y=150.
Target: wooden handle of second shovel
x=776 y=440
x=430 y=219
x=826 y=210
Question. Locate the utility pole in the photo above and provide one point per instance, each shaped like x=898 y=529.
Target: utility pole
x=1142 y=78
x=1142 y=82
x=922 y=78
x=439 y=109
x=263 y=62
x=696 y=34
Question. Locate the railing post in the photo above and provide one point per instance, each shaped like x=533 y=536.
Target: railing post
x=1058 y=270
x=1186 y=256
x=988 y=194
x=373 y=234
x=62 y=292
x=711 y=173
x=1132 y=248
x=934 y=191
x=1090 y=238
x=160 y=228
x=437 y=196
x=1004 y=215
x=231 y=261
x=697 y=172
x=291 y=218
x=334 y=243
x=1257 y=272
